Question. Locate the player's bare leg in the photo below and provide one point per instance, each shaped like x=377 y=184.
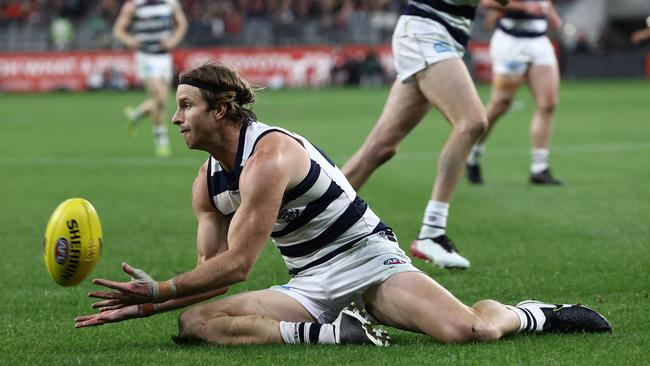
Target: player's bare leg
x=246 y=318
x=448 y=86
x=544 y=81
x=413 y=301
x=504 y=88
x=158 y=91
x=267 y=316
x=404 y=109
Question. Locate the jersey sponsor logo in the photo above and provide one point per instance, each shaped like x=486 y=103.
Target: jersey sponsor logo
x=392 y=261
x=442 y=47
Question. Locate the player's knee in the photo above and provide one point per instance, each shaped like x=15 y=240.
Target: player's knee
x=381 y=153
x=467 y=332
x=188 y=323
x=473 y=128
x=501 y=105
x=547 y=105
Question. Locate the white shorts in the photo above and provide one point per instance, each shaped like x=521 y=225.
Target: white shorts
x=419 y=42
x=512 y=55
x=159 y=66
x=326 y=289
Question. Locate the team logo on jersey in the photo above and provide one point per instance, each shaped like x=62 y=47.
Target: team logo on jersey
x=442 y=47
x=392 y=261
x=289 y=214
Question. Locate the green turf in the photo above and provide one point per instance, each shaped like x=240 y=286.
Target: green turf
x=584 y=242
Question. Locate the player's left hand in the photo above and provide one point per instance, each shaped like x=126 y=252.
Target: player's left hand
x=141 y=289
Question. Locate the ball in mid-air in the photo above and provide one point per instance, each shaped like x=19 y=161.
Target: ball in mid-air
x=73 y=241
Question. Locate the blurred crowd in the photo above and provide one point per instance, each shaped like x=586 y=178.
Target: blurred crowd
x=87 y=23
x=224 y=21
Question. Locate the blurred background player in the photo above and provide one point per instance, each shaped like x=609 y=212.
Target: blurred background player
x=153 y=28
x=428 y=43
x=522 y=53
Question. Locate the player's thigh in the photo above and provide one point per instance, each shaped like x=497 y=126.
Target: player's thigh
x=413 y=301
x=448 y=86
x=267 y=303
x=404 y=109
x=505 y=86
x=544 y=82
x=157 y=87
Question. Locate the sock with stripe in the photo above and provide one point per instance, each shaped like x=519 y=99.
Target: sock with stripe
x=435 y=219
x=309 y=333
x=530 y=319
x=475 y=154
x=160 y=136
x=539 y=160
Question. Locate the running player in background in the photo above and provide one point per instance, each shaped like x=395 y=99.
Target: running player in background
x=428 y=45
x=153 y=28
x=522 y=53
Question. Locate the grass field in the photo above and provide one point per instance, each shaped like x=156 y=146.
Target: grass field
x=587 y=241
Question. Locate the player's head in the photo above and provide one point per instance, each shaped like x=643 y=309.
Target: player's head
x=220 y=85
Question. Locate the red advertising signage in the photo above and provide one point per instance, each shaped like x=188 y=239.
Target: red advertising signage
x=280 y=66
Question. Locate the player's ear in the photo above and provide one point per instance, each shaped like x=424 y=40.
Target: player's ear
x=220 y=111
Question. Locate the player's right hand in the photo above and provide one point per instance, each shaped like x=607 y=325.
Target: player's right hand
x=109 y=316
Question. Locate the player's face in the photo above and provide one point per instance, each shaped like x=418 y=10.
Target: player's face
x=192 y=116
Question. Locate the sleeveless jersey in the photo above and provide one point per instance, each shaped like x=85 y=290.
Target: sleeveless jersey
x=320 y=218
x=455 y=15
x=523 y=25
x=152 y=22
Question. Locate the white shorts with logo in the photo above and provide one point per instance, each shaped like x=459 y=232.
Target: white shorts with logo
x=326 y=289
x=151 y=65
x=513 y=55
x=419 y=42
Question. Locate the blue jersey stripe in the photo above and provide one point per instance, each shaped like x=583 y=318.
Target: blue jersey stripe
x=313 y=209
x=520 y=33
x=305 y=185
x=352 y=214
x=465 y=11
x=380 y=227
x=517 y=15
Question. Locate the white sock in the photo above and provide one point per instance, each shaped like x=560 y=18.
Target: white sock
x=160 y=135
x=136 y=114
x=539 y=160
x=309 y=333
x=475 y=154
x=531 y=319
x=435 y=219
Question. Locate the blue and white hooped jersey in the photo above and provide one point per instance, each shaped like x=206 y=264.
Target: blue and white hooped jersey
x=455 y=15
x=320 y=217
x=153 y=22
x=523 y=25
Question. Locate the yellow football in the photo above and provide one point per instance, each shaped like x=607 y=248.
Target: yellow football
x=73 y=241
